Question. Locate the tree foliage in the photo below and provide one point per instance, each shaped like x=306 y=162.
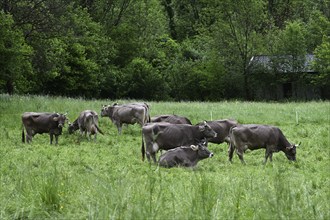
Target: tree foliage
x=157 y=49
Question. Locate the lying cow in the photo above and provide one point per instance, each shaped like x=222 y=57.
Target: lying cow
x=40 y=122
x=87 y=123
x=124 y=114
x=172 y=119
x=222 y=128
x=185 y=156
x=165 y=136
x=254 y=137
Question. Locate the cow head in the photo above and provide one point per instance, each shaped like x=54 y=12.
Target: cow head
x=207 y=131
x=290 y=152
x=202 y=150
x=105 y=111
x=72 y=128
x=60 y=119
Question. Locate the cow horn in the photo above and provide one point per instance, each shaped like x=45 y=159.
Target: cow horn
x=194 y=147
x=297 y=145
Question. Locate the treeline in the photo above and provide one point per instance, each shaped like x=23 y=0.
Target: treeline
x=155 y=49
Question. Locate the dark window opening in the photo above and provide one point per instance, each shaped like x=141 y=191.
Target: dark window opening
x=287 y=90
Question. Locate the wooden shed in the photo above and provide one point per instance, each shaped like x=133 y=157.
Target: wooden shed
x=284 y=77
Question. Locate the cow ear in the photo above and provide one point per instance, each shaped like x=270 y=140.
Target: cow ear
x=290 y=147
x=202 y=127
x=194 y=147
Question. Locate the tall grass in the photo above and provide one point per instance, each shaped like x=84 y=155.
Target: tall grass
x=108 y=180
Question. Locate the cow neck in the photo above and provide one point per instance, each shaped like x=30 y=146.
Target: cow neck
x=283 y=143
x=197 y=132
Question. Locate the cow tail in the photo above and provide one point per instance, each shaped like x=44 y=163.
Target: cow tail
x=142 y=148
x=97 y=127
x=99 y=130
x=23 y=135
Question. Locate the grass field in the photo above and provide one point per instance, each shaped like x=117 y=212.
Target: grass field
x=107 y=179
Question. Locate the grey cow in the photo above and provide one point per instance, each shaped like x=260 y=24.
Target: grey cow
x=186 y=156
x=87 y=123
x=140 y=104
x=222 y=128
x=125 y=114
x=165 y=136
x=172 y=119
x=252 y=136
x=42 y=122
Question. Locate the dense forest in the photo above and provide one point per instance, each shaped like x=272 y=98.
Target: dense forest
x=158 y=49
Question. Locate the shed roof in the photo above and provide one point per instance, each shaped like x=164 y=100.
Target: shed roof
x=284 y=63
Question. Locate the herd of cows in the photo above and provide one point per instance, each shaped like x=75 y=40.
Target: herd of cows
x=185 y=144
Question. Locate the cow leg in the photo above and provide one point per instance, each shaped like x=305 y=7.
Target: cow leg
x=28 y=138
x=81 y=134
x=231 y=149
x=51 y=138
x=269 y=154
x=148 y=156
x=89 y=135
x=240 y=155
x=56 y=139
x=119 y=128
x=153 y=156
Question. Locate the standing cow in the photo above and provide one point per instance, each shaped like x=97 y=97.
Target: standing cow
x=165 y=136
x=172 y=119
x=87 y=123
x=222 y=128
x=140 y=104
x=124 y=114
x=42 y=122
x=251 y=136
x=185 y=156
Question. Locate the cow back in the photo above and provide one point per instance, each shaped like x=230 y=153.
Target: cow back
x=39 y=122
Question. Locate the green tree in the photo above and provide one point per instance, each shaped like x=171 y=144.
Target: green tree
x=237 y=36
x=140 y=80
x=322 y=63
x=15 y=57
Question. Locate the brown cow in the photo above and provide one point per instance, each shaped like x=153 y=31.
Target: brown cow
x=125 y=114
x=186 y=156
x=165 y=136
x=252 y=136
x=172 y=119
x=42 y=122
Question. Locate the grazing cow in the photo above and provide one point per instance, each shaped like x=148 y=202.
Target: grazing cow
x=222 y=128
x=251 y=136
x=165 y=136
x=172 y=119
x=39 y=123
x=124 y=114
x=86 y=122
x=185 y=156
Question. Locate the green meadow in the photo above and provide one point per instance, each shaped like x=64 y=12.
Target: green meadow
x=107 y=179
